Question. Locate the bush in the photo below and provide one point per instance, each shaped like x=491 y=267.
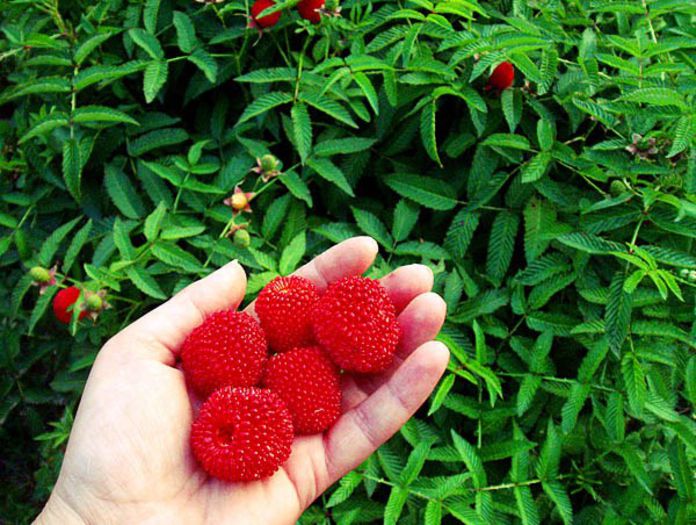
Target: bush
x=558 y=216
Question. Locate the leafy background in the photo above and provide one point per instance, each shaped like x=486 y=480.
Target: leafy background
x=559 y=219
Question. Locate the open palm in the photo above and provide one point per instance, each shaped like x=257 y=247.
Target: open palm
x=128 y=458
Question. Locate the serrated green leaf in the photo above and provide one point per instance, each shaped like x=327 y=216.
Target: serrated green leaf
x=292 y=254
x=332 y=173
x=431 y=193
x=302 y=130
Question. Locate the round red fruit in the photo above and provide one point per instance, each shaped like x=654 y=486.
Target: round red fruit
x=309 y=10
x=242 y=434
x=228 y=349
x=64 y=304
x=309 y=384
x=502 y=77
x=265 y=21
x=284 y=308
x=355 y=322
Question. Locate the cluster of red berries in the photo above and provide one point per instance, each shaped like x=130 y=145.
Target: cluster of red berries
x=308 y=9
x=256 y=404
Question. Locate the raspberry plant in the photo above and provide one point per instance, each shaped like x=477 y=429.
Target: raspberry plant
x=558 y=216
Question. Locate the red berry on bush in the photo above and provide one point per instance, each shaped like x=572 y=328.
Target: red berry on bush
x=242 y=434
x=309 y=10
x=265 y=21
x=309 y=384
x=228 y=349
x=355 y=322
x=502 y=77
x=284 y=308
x=64 y=303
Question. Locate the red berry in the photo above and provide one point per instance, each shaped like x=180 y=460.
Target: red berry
x=309 y=10
x=502 y=77
x=63 y=304
x=309 y=384
x=284 y=308
x=228 y=349
x=242 y=434
x=266 y=21
x=355 y=322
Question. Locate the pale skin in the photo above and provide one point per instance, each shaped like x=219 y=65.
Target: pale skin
x=128 y=458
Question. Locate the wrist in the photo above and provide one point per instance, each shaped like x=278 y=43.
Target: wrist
x=57 y=511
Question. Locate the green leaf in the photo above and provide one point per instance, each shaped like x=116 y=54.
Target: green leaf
x=345 y=146
x=158 y=138
x=557 y=493
x=331 y=108
x=150 y=13
x=122 y=192
x=42 y=304
x=302 y=130
x=441 y=393
x=617 y=314
x=539 y=217
x=511 y=103
x=153 y=222
x=173 y=255
x=76 y=244
x=428 y=131
x=634 y=382
x=525 y=396
x=405 y=218
x=50 y=246
x=395 y=505
x=461 y=232
x=681 y=471
x=206 y=63
x=635 y=465
x=263 y=104
x=332 y=173
x=573 y=405
x=550 y=457
x=507 y=140
x=154 y=78
x=45 y=125
x=501 y=244
x=89 y=114
x=415 y=462
x=292 y=254
x=185 y=32
x=89 y=45
x=656 y=96
x=72 y=167
x=144 y=282
x=471 y=459
x=536 y=167
x=297 y=186
x=546 y=134
x=121 y=236
x=372 y=226
x=431 y=193
x=368 y=90
x=147 y=42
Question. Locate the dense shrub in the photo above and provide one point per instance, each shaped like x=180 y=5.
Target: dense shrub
x=559 y=218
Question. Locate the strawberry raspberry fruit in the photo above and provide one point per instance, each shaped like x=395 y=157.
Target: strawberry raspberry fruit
x=242 y=434
x=355 y=322
x=228 y=349
x=265 y=21
x=309 y=10
x=309 y=384
x=284 y=308
x=502 y=77
x=64 y=303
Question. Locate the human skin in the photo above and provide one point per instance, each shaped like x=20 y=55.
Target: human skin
x=128 y=458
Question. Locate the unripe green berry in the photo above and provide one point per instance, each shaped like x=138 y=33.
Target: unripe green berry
x=617 y=187
x=269 y=163
x=242 y=239
x=692 y=276
x=94 y=303
x=40 y=274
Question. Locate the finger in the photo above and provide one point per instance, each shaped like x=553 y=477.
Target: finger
x=360 y=431
x=164 y=329
x=350 y=257
x=420 y=322
x=407 y=282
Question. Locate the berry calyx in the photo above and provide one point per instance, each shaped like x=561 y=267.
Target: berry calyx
x=311 y=10
x=355 y=322
x=65 y=302
x=309 y=384
x=265 y=21
x=239 y=201
x=284 y=308
x=242 y=434
x=227 y=349
x=502 y=77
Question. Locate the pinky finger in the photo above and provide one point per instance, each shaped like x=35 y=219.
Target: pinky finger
x=361 y=430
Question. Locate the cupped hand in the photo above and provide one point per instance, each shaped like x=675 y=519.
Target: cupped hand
x=128 y=459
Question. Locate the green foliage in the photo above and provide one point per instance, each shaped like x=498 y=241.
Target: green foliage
x=558 y=218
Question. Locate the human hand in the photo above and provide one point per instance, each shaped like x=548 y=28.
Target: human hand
x=128 y=459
